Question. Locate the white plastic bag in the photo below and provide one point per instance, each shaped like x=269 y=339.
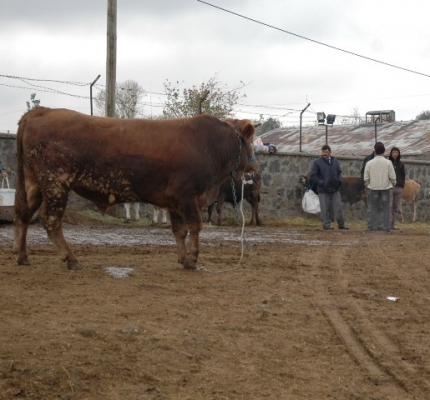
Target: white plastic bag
x=311 y=202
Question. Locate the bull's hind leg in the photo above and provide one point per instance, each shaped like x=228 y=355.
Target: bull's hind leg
x=27 y=202
x=180 y=232
x=195 y=225
x=51 y=216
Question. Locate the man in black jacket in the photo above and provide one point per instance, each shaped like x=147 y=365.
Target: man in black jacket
x=327 y=174
x=397 y=191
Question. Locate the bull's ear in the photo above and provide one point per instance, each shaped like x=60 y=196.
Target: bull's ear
x=247 y=132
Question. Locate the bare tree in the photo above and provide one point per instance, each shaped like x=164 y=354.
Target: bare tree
x=34 y=103
x=209 y=98
x=128 y=104
x=354 y=119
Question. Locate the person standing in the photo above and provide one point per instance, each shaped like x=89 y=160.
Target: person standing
x=2 y=168
x=379 y=177
x=326 y=173
x=397 y=191
x=363 y=166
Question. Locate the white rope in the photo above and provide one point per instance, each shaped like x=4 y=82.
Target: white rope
x=242 y=237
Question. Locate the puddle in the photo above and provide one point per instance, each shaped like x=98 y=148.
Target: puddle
x=118 y=272
x=209 y=236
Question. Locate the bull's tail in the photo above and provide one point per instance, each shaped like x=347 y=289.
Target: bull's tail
x=23 y=210
x=21 y=195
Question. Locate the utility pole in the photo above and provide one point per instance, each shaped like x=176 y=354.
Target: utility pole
x=111 y=59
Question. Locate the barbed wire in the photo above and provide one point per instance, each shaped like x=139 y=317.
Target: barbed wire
x=288 y=115
x=45 y=80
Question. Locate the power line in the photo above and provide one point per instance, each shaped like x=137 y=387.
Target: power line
x=45 y=80
x=314 y=41
x=45 y=89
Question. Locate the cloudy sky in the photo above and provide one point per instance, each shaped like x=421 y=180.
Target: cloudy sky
x=285 y=51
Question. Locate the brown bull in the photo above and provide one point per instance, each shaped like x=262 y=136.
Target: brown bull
x=176 y=164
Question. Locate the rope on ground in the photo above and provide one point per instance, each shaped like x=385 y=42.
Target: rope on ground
x=242 y=236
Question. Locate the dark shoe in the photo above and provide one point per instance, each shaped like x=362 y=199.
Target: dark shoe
x=388 y=230
x=328 y=228
x=343 y=227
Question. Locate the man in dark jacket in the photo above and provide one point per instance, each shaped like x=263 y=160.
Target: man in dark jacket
x=397 y=191
x=327 y=174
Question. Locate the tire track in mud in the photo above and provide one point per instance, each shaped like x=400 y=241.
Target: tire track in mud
x=370 y=348
x=399 y=271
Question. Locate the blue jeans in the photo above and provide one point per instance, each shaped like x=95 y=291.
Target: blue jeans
x=380 y=199
x=368 y=218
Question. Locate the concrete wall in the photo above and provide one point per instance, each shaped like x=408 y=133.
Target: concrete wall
x=281 y=194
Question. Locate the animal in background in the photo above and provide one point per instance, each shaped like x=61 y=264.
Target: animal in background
x=410 y=194
x=251 y=193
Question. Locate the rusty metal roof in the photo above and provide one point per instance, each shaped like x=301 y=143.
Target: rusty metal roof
x=411 y=137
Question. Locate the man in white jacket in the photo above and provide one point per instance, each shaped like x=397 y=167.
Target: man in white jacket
x=379 y=177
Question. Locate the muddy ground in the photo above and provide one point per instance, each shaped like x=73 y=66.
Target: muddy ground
x=304 y=314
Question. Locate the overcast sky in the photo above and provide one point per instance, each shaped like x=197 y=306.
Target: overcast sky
x=50 y=42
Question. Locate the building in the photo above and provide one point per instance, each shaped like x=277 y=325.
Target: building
x=412 y=137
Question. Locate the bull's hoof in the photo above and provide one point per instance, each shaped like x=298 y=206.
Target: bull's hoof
x=23 y=261
x=74 y=266
x=190 y=265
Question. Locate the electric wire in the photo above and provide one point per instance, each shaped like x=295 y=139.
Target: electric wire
x=313 y=40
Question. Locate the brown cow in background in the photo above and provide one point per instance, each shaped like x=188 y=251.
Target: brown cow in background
x=175 y=164
x=351 y=191
x=410 y=194
x=251 y=193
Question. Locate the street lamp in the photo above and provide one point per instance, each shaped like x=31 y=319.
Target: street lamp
x=321 y=117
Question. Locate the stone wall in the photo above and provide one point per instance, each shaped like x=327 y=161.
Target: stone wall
x=281 y=194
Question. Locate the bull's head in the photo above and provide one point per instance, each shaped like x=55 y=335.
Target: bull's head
x=246 y=132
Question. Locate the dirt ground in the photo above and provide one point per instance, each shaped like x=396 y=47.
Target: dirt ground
x=304 y=314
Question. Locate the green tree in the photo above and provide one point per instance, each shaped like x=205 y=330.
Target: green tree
x=128 y=100
x=423 y=115
x=268 y=125
x=210 y=98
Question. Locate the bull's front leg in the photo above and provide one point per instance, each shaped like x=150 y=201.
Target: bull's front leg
x=192 y=223
x=193 y=250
